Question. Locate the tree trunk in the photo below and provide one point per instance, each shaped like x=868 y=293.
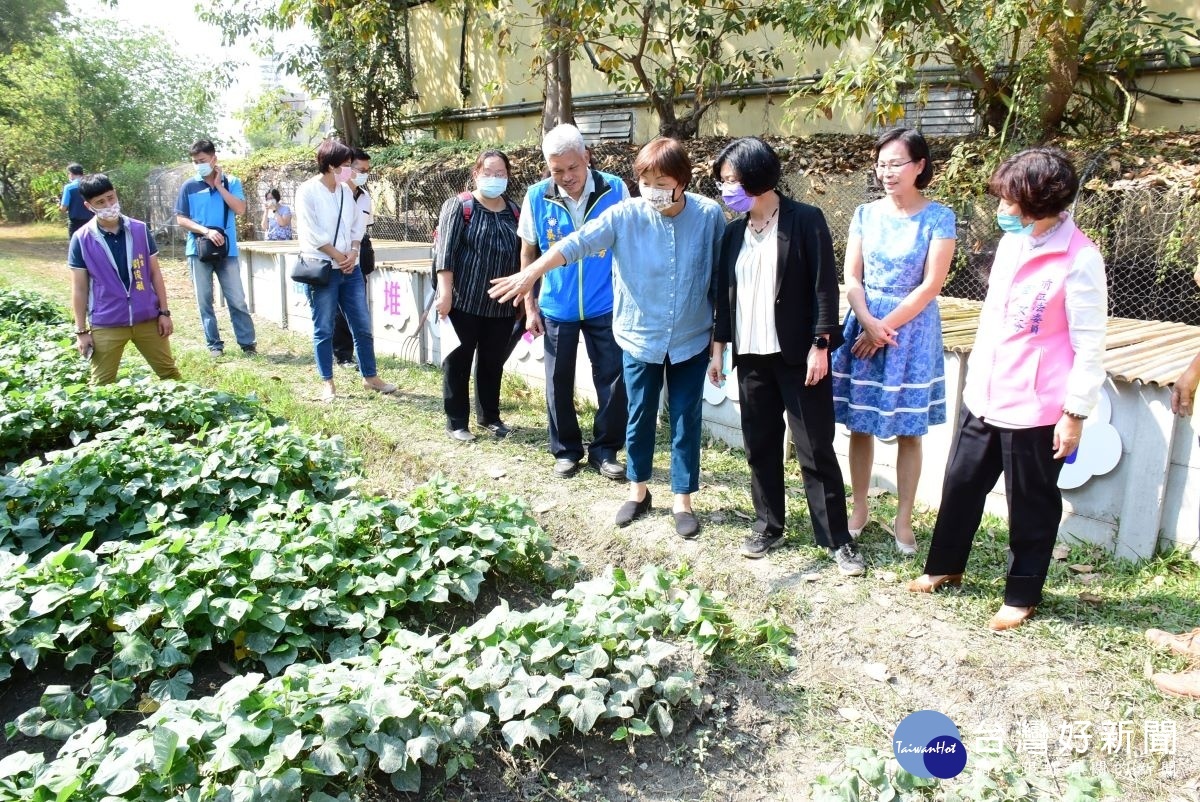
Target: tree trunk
x=557 y=106
x=1062 y=68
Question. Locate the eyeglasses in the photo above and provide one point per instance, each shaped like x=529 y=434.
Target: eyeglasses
x=884 y=166
x=728 y=186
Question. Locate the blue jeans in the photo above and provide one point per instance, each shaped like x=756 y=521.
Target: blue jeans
x=230 y=279
x=347 y=293
x=685 y=392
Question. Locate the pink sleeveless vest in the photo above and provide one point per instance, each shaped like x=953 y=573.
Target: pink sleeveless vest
x=1017 y=372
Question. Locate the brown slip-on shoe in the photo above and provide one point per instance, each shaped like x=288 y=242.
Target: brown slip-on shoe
x=1010 y=618
x=923 y=584
x=1179 y=684
x=1184 y=643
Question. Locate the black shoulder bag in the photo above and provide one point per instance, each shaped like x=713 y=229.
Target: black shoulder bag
x=206 y=251
x=317 y=272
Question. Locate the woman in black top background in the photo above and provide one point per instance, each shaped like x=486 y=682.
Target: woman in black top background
x=477 y=243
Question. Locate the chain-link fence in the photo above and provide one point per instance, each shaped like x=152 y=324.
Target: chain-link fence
x=1148 y=234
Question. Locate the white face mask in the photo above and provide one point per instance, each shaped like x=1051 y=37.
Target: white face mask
x=360 y=179
x=109 y=214
x=658 y=198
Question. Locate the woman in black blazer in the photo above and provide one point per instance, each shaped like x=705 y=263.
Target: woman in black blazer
x=777 y=304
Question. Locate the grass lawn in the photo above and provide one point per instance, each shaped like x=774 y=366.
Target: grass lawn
x=866 y=652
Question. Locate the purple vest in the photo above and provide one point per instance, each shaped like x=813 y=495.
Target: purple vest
x=110 y=303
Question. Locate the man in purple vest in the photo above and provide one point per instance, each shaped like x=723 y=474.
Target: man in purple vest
x=117 y=290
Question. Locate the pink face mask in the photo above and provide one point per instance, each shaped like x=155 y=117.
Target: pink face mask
x=343 y=173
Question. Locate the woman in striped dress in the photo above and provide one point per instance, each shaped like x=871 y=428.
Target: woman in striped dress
x=888 y=377
x=474 y=248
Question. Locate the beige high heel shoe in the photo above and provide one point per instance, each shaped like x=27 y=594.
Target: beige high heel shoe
x=926 y=584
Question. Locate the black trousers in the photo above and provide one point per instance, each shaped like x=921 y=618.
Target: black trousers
x=612 y=412
x=485 y=343
x=768 y=388
x=981 y=452
x=343 y=343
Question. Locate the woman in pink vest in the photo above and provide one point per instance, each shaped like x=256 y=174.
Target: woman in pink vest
x=1034 y=374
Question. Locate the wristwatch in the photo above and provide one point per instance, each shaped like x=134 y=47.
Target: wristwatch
x=821 y=341
x=163 y=313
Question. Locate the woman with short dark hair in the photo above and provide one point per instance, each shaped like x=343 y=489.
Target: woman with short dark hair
x=777 y=305
x=330 y=229
x=665 y=245
x=1033 y=376
x=277 y=217
x=889 y=376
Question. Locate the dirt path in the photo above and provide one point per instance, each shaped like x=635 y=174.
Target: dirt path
x=867 y=653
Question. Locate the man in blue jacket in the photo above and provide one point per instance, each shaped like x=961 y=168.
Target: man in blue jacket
x=72 y=202
x=575 y=299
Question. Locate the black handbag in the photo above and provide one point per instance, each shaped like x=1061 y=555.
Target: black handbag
x=206 y=250
x=316 y=273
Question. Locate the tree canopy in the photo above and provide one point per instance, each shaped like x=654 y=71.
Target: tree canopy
x=1033 y=66
x=359 y=60
x=97 y=94
x=677 y=52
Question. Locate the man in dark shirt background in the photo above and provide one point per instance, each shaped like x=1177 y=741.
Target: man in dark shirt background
x=72 y=202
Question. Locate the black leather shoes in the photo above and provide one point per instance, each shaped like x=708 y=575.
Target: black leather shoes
x=565 y=467
x=632 y=510
x=499 y=429
x=608 y=468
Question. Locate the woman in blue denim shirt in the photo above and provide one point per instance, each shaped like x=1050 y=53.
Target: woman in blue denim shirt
x=665 y=246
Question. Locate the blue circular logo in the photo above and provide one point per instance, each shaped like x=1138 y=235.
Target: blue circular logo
x=927 y=744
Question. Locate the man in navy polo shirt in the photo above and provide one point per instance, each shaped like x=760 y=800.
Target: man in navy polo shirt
x=117 y=291
x=72 y=202
x=208 y=206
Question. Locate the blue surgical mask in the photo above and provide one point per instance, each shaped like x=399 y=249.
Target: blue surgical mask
x=203 y=169
x=491 y=186
x=1011 y=224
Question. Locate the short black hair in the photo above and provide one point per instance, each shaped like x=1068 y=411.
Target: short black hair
x=915 y=144
x=331 y=154
x=202 y=146
x=75 y=168
x=1042 y=181
x=272 y=193
x=755 y=162
x=361 y=155
x=95 y=185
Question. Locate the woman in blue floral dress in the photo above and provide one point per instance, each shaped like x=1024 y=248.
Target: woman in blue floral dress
x=888 y=377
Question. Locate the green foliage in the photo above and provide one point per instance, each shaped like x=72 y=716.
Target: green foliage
x=360 y=57
x=299 y=582
x=675 y=52
x=1033 y=67
x=128 y=481
x=98 y=94
x=22 y=308
x=269 y=122
x=596 y=656
x=871 y=775
x=48 y=417
x=24 y=22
